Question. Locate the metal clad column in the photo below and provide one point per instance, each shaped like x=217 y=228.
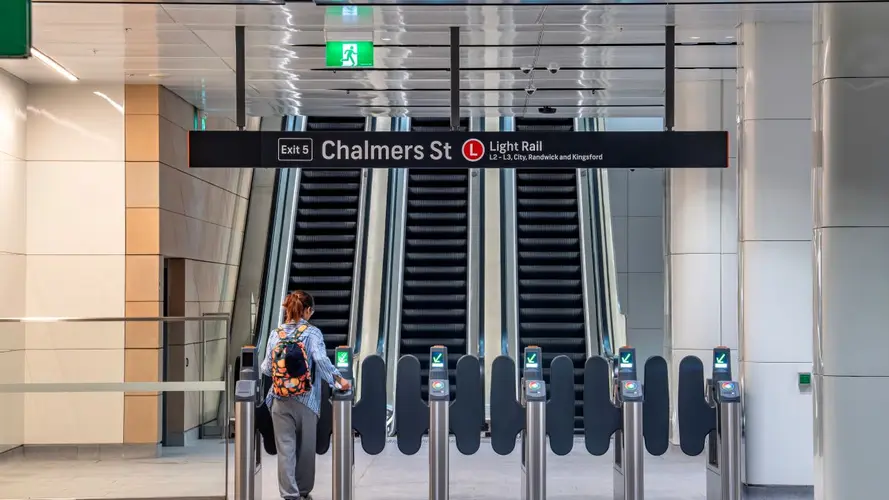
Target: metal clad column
x=776 y=250
x=851 y=97
x=702 y=239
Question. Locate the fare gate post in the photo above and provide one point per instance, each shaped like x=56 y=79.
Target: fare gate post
x=629 y=453
x=439 y=423
x=636 y=413
x=724 y=461
x=463 y=416
x=534 y=435
x=248 y=463
x=712 y=416
x=343 y=487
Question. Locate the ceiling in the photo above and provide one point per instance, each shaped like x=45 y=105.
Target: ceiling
x=611 y=57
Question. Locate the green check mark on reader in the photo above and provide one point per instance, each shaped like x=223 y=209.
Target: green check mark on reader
x=342 y=359
x=437 y=359
x=721 y=360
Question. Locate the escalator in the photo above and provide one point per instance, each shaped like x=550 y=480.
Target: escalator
x=326 y=240
x=435 y=286
x=549 y=262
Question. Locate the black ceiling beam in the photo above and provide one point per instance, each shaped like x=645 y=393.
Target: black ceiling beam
x=493 y=106
x=515 y=68
x=445 y=89
x=521 y=45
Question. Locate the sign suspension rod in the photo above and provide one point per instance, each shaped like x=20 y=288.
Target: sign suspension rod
x=455 y=78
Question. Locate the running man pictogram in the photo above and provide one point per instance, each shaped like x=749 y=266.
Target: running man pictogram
x=350 y=55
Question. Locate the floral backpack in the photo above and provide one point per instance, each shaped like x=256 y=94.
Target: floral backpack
x=290 y=364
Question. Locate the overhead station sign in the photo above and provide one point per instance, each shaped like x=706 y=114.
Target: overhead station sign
x=232 y=149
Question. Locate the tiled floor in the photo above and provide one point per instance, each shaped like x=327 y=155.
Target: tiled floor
x=198 y=472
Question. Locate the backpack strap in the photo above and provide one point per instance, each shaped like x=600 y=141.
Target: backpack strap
x=301 y=329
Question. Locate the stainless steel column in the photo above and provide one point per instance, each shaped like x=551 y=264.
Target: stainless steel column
x=343 y=450
x=535 y=451
x=247 y=466
x=439 y=433
x=730 y=450
x=633 y=451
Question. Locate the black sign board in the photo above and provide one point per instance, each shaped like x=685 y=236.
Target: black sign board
x=233 y=149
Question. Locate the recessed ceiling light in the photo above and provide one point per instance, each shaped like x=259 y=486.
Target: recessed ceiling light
x=386 y=39
x=695 y=38
x=729 y=37
x=52 y=64
x=158 y=75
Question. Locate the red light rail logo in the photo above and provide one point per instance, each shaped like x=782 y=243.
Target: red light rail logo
x=473 y=150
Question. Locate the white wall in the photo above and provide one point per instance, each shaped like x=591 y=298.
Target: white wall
x=13 y=120
x=637 y=222
x=75 y=247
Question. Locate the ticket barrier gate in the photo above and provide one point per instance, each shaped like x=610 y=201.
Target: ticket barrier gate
x=248 y=457
x=463 y=417
x=633 y=412
x=533 y=414
x=367 y=417
x=714 y=413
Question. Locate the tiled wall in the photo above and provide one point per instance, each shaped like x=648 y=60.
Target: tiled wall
x=75 y=260
x=13 y=120
x=95 y=192
x=174 y=212
x=637 y=218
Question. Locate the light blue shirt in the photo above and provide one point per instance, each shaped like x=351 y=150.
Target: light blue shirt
x=317 y=351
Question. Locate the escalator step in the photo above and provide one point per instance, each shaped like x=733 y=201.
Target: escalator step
x=444 y=231
x=548 y=228
x=322 y=280
x=438 y=179
x=437 y=257
x=433 y=298
x=535 y=256
x=437 y=204
x=325 y=238
x=435 y=271
x=331 y=174
x=440 y=244
x=548 y=216
x=322 y=266
x=547 y=190
x=329 y=200
x=439 y=216
x=525 y=176
x=553 y=312
x=435 y=192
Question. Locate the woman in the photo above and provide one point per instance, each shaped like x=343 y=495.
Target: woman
x=295 y=418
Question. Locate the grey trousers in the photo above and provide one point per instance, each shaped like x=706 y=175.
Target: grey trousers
x=295 y=426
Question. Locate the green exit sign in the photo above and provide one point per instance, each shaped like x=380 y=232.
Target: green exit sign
x=350 y=54
x=15 y=28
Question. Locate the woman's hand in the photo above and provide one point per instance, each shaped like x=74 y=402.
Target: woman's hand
x=343 y=384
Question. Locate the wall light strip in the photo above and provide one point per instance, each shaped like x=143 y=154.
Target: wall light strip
x=110 y=101
x=52 y=64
